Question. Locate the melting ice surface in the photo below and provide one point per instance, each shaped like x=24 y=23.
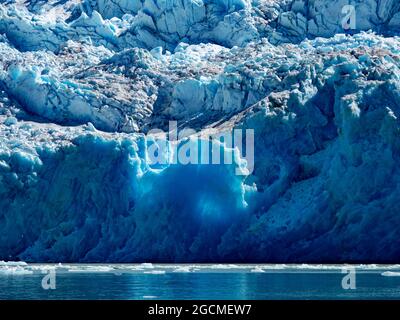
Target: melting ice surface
x=81 y=82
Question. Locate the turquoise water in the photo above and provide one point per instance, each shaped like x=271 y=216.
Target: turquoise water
x=196 y=282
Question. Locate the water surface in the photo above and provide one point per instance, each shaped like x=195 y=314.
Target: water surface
x=147 y=281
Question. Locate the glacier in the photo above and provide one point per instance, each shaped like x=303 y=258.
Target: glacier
x=84 y=83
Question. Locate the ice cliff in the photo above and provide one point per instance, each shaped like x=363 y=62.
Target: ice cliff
x=82 y=83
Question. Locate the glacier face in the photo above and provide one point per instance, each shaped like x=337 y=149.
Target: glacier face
x=82 y=83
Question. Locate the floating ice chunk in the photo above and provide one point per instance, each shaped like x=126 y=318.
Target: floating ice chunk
x=183 y=269
x=155 y=272
x=257 y=269
x=91 y=269
x=14 y=268
x=12 y=263
x=391 y=274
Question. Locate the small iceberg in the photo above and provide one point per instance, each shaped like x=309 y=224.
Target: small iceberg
x=390 y=274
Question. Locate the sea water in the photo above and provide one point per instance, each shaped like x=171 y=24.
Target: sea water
x=233 y=282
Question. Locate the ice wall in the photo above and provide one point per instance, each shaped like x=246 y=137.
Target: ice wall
x=82 y=82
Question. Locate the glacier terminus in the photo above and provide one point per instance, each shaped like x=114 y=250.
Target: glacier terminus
x=89 y=87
